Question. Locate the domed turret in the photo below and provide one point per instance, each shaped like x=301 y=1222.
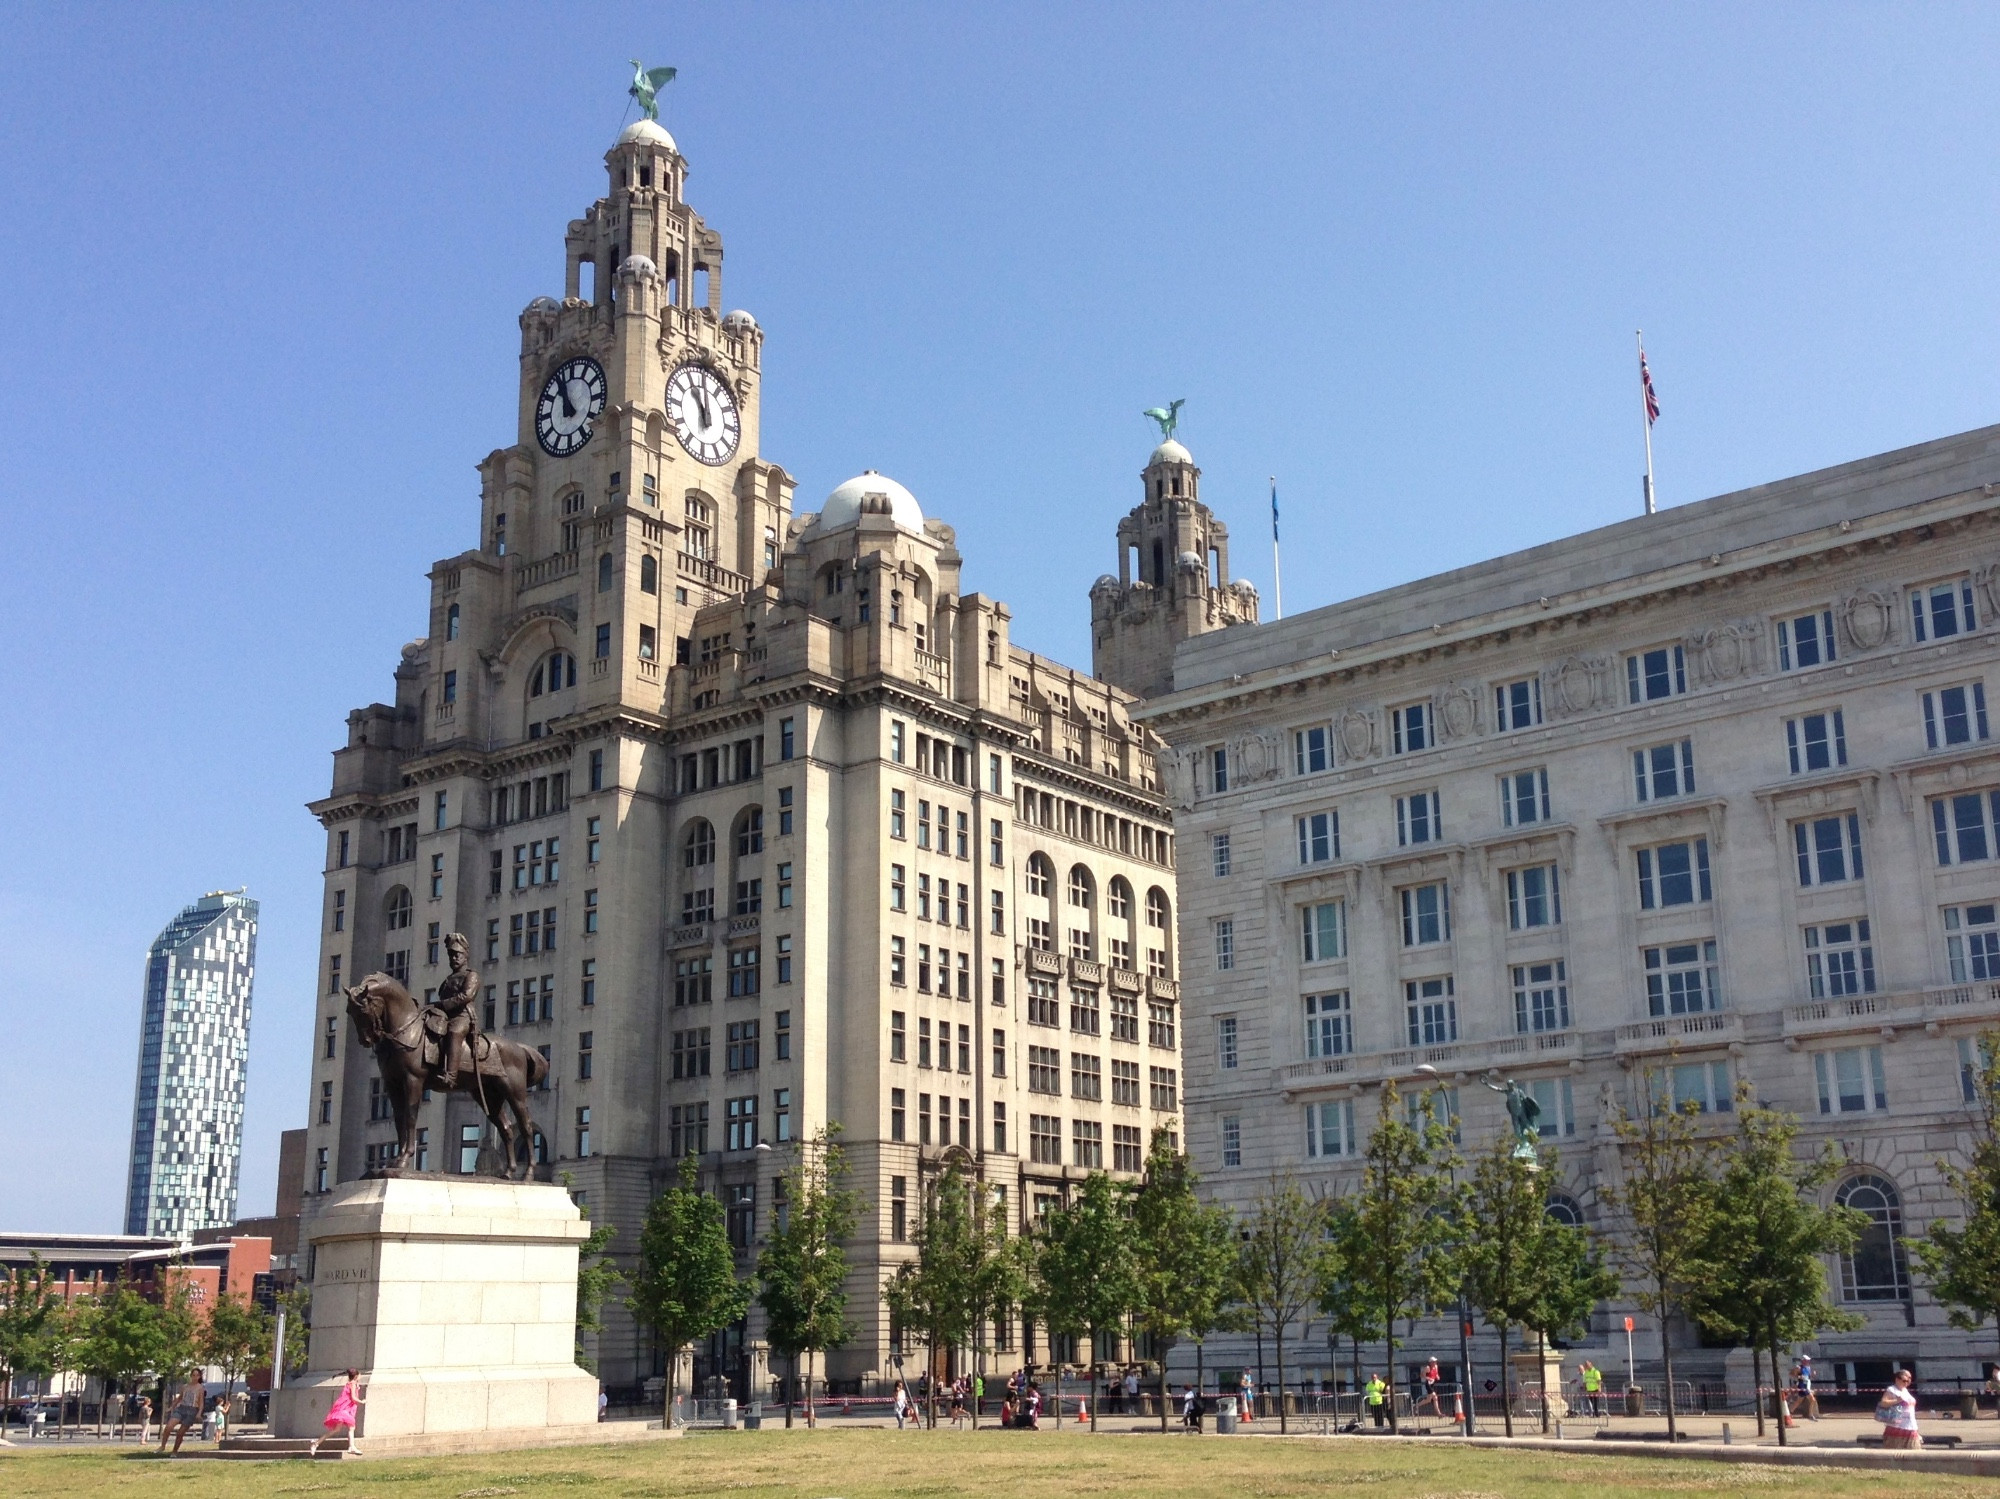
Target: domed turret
x=648 y=132
x=871 y=493
x=1170 y=452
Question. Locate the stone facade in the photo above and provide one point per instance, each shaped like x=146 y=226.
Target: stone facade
x=1706 y=797
x=757 y=823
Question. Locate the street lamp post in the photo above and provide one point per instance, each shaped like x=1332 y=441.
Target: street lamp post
x=1464 y=1315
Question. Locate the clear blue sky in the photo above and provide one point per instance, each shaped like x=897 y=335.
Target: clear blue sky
x=263 y=273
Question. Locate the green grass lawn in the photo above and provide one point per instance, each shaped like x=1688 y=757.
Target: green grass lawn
x=948 y=1464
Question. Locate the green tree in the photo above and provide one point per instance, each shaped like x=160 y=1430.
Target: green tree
x=1667 y=1203
x=296 y=1303
x=1343 y=1301
x=235 y=1337
x=1279 y=1262
x=125 y=1343
x=1400 y=1239
x=1184 y=1254
x=1766 y=1283
x=1961 y=1260
x=802 y=1271
x=597 y=1274
x=1086 y=1276
x=1570 y=1278
x=28 y=1301
x=1506 y=1210
x=686 y=1285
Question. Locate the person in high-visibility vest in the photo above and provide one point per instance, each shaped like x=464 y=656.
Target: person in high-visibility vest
x=1593 y=1387
x=1375 y=1394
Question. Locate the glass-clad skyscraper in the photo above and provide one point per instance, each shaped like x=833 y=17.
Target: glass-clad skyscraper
x=194 y=1045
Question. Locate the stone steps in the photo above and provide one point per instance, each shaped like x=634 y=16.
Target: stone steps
x=268 y=1449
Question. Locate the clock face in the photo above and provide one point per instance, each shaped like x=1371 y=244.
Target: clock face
x=569 y=404
x=704 y=414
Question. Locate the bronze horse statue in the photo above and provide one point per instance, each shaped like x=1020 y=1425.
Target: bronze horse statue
x=499 y=1074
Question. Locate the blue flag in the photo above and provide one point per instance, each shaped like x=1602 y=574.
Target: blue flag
x=1274 y=511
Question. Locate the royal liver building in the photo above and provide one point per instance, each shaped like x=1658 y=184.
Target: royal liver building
x=755 y=819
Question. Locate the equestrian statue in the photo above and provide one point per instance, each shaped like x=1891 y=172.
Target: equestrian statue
x=439 y=1046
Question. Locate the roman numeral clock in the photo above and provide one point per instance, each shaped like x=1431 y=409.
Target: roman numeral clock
x=568 y=408
x=703 y=410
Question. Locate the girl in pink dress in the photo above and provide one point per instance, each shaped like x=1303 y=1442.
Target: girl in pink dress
x=343 y=1415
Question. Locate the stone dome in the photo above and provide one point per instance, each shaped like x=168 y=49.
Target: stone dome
x=1191 y=562
x=1170 y=452
x=740 y=321
x=646 y=132
x=871 y=494
x=638 y=265
x=1104 y=580
x=544 y=304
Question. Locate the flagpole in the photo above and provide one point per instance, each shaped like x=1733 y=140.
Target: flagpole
x=1645 y=419
x=1277 y=575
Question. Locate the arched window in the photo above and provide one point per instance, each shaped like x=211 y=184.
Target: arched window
x=1157 y=914
x=1041 y=874
x=1565 y=1209
x=604 y=573
x=1118 y=900
x=697 y=537
x=750 y=832
x=1082 y=893
x=451 y=623
x=649 y=574
x=1159 y=939
x=700 y=846
x=1876 y=1269
x=396 y=911
x=553 y=675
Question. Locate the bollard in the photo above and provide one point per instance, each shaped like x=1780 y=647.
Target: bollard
x=1726 y=1439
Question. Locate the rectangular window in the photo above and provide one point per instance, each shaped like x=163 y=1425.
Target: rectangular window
x=783 y=1022
x=1704 y=1085
x=1433 y=1012
x=1127 y=1148
x=1330 y=1130
x=1000 y=1129
x=1973 y=1059
x=784 y=811
x=694 y=980
x=1232 y=1139
x=1044 y=1069
x=1517 y=705
x=1524 y=798
x=1087 y=1144
x=583 y=1131
x=603 y=651
x=784 y=882
x=897 y=1114
x=340 y=857
x=1673 y=874
x=1225 y=945
x=584 y=1053
x=1658 y=673
x=784 y=952
x=648 y=643
x=741 y=1114
x=1218 y=769
x=896 y=740
x=1680 y=979
x=1225 y=1042
x=1324 y=931
x=1083 y=1012
x=1045 y=1139
x=1125 y=1017
x=1955 y=715
x=998 y=901
x=1938 y=610
x=1319 y=837
x=1329 y=1025
x=1312 y=749
x=1218 y=848
x=1163 y=1089
x=1125 y=1083
x=1828 y=849
x=333 y=977
x=898 y=1037
x=1972 y=943
x=1816 y=741
x=1044 y=1003
x=787 y=738
x=999 y=1052
x=743 y=1046
x=898 y=900
x=691 y=1053
x=1160 y=1025
x=1086 y=1076
x=1966 y=828
x=924 y=1042
x=439 y=803
x=590 y=910
x=1850 y=1080
x=1553 y=1096
x=1426 y=914
x=1541 y=997
x=1534 y=897
x=1664 y=770
x=1411 y=728
x=1805 y=640
x=898 y=809
x=596 y=772
x=1840 y=959
x=1417 y=818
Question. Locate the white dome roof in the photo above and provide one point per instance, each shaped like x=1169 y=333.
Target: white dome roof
x=639 y=265
x=847 y=504
x=738 y=319
x=1170 y=452
x=648 y=131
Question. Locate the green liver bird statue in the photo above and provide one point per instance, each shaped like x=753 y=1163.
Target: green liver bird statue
x=646 y=87
x=1169 y=417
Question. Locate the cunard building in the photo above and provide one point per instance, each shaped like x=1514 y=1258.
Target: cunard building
x=757 y=821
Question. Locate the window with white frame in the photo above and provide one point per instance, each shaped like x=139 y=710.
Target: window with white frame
x=1232 y=1139
x=1411 y=728
x=1660 y=672
x=1517 y=705
x=1876 y=1268
x=1312 y=749
x=1955 y=715
x=1218 y=850
x=1541 y=997
x=1323 y=931
x=1663 y=770
x=1850 y=1080
x=1840 y=959
x=1972 y=942
x=1417 y=818
x=1558 y=1107
x=1218 y=769
x=1816 y=741
x=1433 y=1012
x=1225 y=944
x=1939 y=610
x=1426 y=914
x=1680 y=978
x=1524 y=797
x=1534 y=897
x=1319 y=837
x=1706 y=1085
x=1828 y=849
x=1329 y=1025
x=1225 y=1042
x=1330 y=1129
x=1805 y=640
x=1674 y=874
x=1973 y=1060
x=1966 y=828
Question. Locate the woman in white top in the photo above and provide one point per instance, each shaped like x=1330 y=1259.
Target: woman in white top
x=1897 y=1410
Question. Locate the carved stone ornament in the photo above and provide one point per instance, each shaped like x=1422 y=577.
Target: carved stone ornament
x=1256 y=756
x=1986 y=577
x=1577 y=684
x=1458 y=710
x=1868 y=618
x=1728 y=651
x=1358 y=733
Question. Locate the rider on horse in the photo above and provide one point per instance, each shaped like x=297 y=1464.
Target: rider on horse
x=454 y=998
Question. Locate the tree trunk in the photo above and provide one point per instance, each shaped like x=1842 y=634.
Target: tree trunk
x=1667 y=1364
x=1784 y=1414
x=1757 y=1383
x=673 y=1362
x=1389 y=1367
x=1354 y=1344
x=1279 y=1334
x=1200 y=1375
x=1542 y=1355
x=1506 y=1396
x=1163 y=1392
x=1093 y=1387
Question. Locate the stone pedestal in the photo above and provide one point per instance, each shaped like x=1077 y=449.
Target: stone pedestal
x=456 y=1300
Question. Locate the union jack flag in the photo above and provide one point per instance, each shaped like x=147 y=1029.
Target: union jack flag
x=1646 y=383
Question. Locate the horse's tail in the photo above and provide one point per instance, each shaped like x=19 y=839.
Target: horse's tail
x=538 y=1067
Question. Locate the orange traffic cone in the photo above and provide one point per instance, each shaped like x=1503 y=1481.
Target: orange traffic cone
x=1457 y=1408
x=1082 y=1410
